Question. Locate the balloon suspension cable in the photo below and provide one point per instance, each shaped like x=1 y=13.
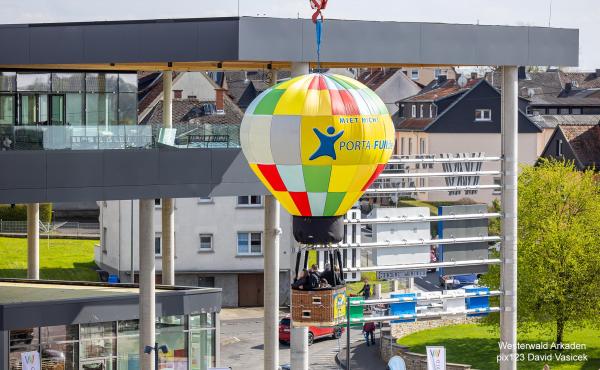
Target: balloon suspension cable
x=317 y=19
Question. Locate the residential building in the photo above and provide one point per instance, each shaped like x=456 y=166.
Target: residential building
x=579 y=143
x=424 y=75
x=390 y=84
x=218 y=243
x=460 y=119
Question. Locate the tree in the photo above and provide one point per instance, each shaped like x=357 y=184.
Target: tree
x=559 y=246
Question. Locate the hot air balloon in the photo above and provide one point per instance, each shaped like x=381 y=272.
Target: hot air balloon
x=317 y=142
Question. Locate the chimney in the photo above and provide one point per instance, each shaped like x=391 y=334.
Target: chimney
x=220 y=100
x=177 y=94
x=474 y=76
x=522 y=73
x=568 y=87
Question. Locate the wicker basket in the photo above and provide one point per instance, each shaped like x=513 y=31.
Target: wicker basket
x=323 y=307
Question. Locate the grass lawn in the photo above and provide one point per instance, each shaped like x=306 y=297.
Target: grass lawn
x=478 y=346
x=61 y=259
x=419 y=203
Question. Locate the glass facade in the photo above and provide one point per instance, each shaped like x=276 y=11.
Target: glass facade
x=190 y=340
x=44 y=110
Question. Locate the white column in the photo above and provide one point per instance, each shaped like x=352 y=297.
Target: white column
x=147 y=283
x=168 y=214
x=298 y=336
x=271 y=278
x=33 y=241
x=271 y=283
x=508 y=315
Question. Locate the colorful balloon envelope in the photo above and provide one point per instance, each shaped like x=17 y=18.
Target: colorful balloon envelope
x=317 y=142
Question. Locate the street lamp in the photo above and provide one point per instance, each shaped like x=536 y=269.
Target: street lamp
x=156 y=348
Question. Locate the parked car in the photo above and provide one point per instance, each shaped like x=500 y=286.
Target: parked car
x=313 y=332
x=458 y=281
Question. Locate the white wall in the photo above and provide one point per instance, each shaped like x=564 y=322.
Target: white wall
x=396 y=88
x=222 y=217
x=489 y=144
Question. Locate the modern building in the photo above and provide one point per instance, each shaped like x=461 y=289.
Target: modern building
x=70 y=326
x=218 y=243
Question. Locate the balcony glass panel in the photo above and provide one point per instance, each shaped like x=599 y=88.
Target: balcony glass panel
x=7 y=109
x=33 y=81
x=128 y=82
x=101 y=82
x=101 y=109
x=127 y=109
x=8 y=81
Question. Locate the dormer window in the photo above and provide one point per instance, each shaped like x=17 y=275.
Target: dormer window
x=430 y=110
x=414 y=111
x=483 y=114
x=421 y=111
x=574 y=83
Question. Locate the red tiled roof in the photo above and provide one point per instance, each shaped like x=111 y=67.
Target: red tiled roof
x=585 y=142
x=449 y=88
x=584 y=80
x=414 y=124
x=154 y=90
x=373 y=79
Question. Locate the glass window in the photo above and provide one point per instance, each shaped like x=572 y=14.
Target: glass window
x=8 y=81
x=205 y=200
x=409 y=146
x=249 y=200
x=7 y=109
x=74 y=109
x=29 y=108
x=127 y=109
x=576 y=111
x=59 y=333
x=68 y=82
x=414 y=74
x=249 y=243
x=98 y=340
x=158 y=245
x=206 y=281
x=128 y=82
x=101 y=109
x=206 y=242
x=33 y=81
x=64 y=356
x=170 y=331
x=128 y=345
x=43 y=109
x=483 y=114
x=413 y=111
x=564 y=111
x=552 y=110
x=57 y=109
x=202 y=344
x=422 y=146
x=101 y=82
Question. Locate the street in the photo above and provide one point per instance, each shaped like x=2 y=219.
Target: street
x=242 y=343
x=429 y=283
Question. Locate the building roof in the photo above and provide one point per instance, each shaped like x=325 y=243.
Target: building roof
x=193 y=111
x=373 y=78
x=150 y=88
x=585 y=142
x=583 y=80
x=413 y=124
x=552 y=120
x=436 y=90
x=28 y=303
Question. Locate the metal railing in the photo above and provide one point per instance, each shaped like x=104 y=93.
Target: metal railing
x=71 y=229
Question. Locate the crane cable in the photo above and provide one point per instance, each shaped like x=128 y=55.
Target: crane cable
x=317 y=19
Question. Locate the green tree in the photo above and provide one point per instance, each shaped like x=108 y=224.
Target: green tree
x=558 y=251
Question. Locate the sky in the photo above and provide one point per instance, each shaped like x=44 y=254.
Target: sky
x=582 y=14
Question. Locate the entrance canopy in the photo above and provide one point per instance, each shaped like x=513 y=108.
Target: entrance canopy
x=252 y=43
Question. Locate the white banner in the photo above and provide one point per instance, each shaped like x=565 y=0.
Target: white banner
x=436 y=358
x=30 y=360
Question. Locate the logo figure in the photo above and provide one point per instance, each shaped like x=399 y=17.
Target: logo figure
x=326 y=148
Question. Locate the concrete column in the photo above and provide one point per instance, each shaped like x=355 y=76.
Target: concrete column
x=33 y=241
x=271 y=283
x=147 y=282
x=168 y=214
x=508 y=314
x=271 y=278
x=298 y=336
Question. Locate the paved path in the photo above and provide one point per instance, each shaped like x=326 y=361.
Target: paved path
x=362 y=357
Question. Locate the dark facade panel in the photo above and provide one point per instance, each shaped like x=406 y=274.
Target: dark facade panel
x=104 y=43
x=57 y=44
x=278 y=39
x=73 y=176
x=15 y=44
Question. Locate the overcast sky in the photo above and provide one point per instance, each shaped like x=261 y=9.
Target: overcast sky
x=582 y=14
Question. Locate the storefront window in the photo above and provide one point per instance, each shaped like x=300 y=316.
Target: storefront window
x=202 y=341
x=170 y=331
x=127 y=109
x=98 y=346
x=33 y=81
x=128 y=343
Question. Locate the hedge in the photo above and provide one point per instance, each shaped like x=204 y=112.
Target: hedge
x=18 y=212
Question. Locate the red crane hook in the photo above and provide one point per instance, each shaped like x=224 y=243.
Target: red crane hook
x=319 y=5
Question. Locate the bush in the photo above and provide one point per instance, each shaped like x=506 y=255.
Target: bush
x=18 y=212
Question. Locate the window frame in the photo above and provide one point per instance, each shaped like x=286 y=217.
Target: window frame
x=211 y=248
x=249 y=235
x=160 y=245
x=482 y=118
x=249 y=204
x=412 y=74
x=421 y=111
x=413 y=111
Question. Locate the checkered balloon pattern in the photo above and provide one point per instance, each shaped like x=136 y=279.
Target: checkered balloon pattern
x=317 y=142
